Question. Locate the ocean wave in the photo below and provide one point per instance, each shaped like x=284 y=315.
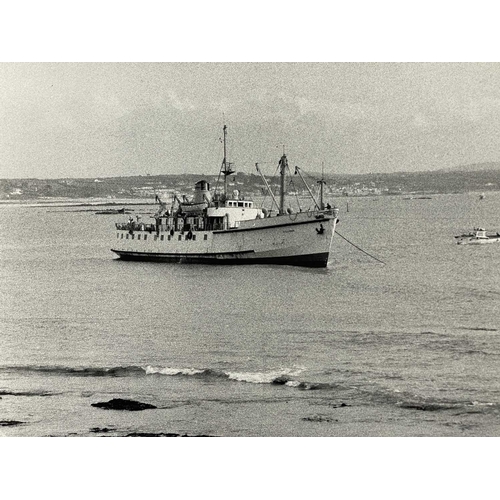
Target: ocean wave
x=26 y=393
x=272 y=377
x=438 y=405
x=458 y=407
x=154 y=370
x=117 y=371
x=278 y=377
x=481 y=352
x=478 y=328
x=428 y=406
x=414 y=402
x=284 y=376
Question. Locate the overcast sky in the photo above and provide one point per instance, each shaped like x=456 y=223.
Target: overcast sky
x=110 y=119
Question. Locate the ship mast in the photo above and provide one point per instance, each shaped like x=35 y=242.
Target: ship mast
x=226 y=166
x=283 y=164
x=321 y=184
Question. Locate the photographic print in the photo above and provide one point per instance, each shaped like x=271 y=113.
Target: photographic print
x=250 y=249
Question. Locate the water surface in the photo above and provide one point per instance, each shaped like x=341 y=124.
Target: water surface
x=408 y=348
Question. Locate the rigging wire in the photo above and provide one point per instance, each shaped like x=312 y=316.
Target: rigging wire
x=291 y=183
x=276 y=188
x=311 y=178
x=264 y=192
x=360 y=249
x=270 y=187
x=220 y=141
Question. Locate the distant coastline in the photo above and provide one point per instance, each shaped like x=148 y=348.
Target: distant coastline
x=481 y=177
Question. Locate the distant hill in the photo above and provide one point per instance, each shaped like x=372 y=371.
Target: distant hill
x=475 y=167
x=468 y=178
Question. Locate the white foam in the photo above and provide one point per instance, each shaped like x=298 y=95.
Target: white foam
x=251 y=377
x=150 y=370
x=261 y=377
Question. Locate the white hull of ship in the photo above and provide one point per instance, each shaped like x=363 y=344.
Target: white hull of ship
x=302 y=239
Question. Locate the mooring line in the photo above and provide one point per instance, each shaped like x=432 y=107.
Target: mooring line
x=360 y=249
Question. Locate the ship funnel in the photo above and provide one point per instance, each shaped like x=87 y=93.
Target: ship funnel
x=202 y=192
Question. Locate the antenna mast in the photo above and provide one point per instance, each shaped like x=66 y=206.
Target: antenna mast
x=321 y=184
x=283 y=164
x=226 y=166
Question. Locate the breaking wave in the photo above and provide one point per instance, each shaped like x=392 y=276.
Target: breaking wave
x=286 y=377
x=278 y=377
x=154 y=370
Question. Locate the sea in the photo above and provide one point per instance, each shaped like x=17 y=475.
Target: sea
x=399 y=336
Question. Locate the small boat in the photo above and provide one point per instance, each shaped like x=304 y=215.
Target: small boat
x=194 y=207
x=113 y=211
x=478 y=236
x=418 y=198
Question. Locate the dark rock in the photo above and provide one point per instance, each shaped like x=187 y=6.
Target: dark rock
x=426 y=406
x=319 y=418
x=280 y=380
x=7 y=423
x=308 y=386
x=124 y=404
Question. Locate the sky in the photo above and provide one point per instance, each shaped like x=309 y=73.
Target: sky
x=113 y=119
x=100 y=119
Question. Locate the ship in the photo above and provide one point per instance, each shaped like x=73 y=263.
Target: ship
x=478 y=236
x=217 y=227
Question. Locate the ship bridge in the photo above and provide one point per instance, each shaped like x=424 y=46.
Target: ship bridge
x=234 y=211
